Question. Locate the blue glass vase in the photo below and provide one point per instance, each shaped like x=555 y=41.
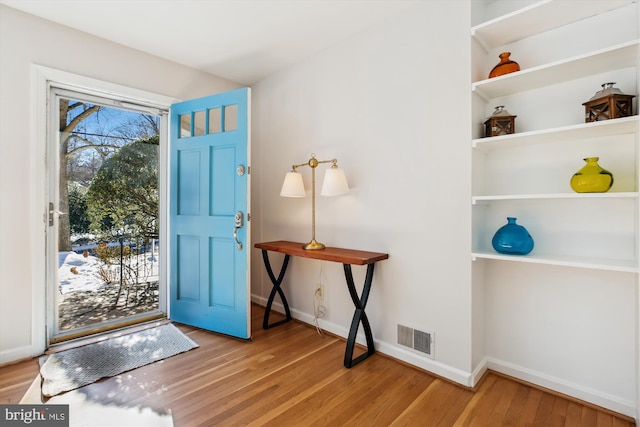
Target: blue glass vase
x=512 y=239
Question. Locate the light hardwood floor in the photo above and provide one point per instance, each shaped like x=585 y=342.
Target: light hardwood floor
x=291 y=376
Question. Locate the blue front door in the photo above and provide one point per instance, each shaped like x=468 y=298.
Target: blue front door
x=209 y=201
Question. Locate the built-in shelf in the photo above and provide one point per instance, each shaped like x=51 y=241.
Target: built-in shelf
x=531 y=20
x=615 y=57
x=586 y=244
x=538 y=18
x=566 y=196
x=566 y=261
x=625 y=125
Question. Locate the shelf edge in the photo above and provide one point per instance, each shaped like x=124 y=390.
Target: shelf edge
x=557 y=262
x=620 y=126
x=483 y=31
x=555 y=196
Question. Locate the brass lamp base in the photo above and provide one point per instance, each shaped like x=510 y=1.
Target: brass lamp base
x=313 y=245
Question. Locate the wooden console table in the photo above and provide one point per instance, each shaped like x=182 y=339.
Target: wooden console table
x=347 y=257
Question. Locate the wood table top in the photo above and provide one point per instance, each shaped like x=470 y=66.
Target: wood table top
x=344 y=256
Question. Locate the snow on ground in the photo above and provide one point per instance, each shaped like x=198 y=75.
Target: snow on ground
x=87 y=277
x=79 y=273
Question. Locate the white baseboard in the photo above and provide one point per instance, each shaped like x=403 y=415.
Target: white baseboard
x=596 y=397
x=613 y=403
x=413 y=358
x=15 y=354
x=480 y=370
x=307 y=318
x=408 y=356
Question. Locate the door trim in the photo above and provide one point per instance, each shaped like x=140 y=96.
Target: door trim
x=42 y=78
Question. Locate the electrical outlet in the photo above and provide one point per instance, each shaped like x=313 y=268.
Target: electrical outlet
x=319 y=292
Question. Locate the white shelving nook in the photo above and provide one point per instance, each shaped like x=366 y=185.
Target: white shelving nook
x=537 y=18
x=600 y=61
x=586 y=245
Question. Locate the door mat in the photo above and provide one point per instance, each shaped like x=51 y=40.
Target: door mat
x=77 y=367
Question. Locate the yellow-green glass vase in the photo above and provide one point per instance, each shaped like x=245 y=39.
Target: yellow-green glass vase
x=592 y=178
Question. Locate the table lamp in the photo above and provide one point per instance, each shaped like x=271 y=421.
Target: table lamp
x=334 y=184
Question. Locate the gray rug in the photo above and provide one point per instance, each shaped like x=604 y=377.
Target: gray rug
x=75 y=368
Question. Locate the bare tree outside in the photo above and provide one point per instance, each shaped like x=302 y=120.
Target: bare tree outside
x=72 y=114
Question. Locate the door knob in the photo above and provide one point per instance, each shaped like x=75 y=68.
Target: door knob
x=239 y=222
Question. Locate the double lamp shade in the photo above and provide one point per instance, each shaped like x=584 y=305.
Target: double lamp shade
x=334 y=184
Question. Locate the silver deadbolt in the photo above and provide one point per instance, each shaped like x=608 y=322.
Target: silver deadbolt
x=239 y=222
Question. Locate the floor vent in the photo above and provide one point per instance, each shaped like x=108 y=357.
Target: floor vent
x=417 y=340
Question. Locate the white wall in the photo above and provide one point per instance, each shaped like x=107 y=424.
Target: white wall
x=27 y=40
x=392 y=105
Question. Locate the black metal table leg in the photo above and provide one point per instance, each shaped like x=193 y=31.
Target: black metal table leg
x=358 y=317
x=276 y=288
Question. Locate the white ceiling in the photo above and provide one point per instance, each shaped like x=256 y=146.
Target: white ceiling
x=242 y=40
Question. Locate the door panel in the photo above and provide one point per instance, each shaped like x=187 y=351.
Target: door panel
x=209 y=272
x=188 y=283
x=188 y=181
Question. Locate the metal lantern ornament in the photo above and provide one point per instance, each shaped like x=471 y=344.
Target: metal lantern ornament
x=500 y=123
x=607 y=103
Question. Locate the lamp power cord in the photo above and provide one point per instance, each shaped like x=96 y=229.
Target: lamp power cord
x=319 y=310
